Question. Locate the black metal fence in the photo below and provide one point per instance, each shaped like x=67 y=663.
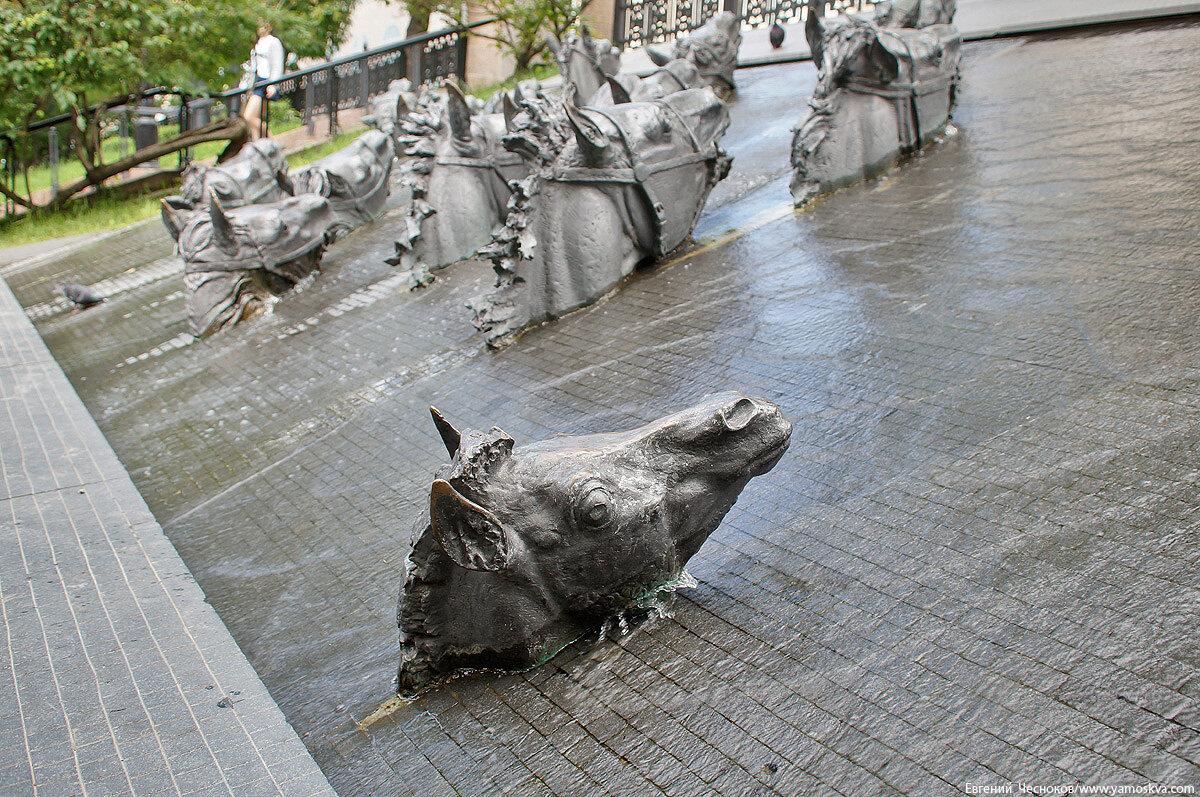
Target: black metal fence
x=48 y=141
x=318 y=91
x=641 y=22
x=352 y=81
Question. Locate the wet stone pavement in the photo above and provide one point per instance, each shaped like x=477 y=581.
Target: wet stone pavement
x=978 y=562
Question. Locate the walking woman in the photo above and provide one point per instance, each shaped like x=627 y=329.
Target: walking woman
x=266 y=64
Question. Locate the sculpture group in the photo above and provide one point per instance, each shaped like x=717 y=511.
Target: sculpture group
x=526 y=547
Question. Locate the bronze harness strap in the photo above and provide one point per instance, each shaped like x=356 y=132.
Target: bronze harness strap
x=490 y=162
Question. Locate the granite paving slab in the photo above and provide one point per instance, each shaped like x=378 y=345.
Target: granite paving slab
x=116 y=676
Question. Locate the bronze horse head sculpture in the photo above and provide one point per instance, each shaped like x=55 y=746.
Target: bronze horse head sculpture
x=256 y=174
x=236 y=260
x=525 y=547
x=459 y=174
x=712 y=47
x=354 y=179
x=584 y=62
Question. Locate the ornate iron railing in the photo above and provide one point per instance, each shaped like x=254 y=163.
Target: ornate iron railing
x=352 y=81
x=641 y=22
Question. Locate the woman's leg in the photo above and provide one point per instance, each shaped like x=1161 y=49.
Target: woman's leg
x=253 y=115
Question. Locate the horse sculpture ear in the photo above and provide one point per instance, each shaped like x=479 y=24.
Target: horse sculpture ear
x=458 y=112
x=223 y=232
x=509 y=108
x=570 y=95
x=619 y=95
x=450 y=436
x=470 y=535
x=174 y=217
x=402 y=109
x=592 y=141
x=284 y=182
x=814 y=29
x=589 y=44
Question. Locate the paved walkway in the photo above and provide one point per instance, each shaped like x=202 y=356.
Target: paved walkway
x=977 y=563
x=116 y=677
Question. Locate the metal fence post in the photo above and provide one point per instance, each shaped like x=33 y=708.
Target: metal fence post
x=333 y=101
x=308 y=105
x=412 y=63
x=184 y=125
x=366 y=82
x=52 y=136
x=123 y=134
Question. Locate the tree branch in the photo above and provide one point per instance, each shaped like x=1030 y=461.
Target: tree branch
x=233 y=129
x=25 y=203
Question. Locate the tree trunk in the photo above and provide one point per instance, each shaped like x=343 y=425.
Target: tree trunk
x=418 y=17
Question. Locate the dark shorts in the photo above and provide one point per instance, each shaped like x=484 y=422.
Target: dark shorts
x=262 y=90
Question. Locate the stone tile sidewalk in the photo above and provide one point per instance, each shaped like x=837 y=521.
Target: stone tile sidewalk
x=116 y=676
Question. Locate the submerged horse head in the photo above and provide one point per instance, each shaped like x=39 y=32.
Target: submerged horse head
x=712 y=47
x=526 y=547
x=256 y=174
x=584 y=62
x=626 y=184
x=354 y=179
x=459 y=178
x=882 y=91
x=677 y=75
x=236 y=259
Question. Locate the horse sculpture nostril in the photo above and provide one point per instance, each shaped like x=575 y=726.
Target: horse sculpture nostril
x=739 y=415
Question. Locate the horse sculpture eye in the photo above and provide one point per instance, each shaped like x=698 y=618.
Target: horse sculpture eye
x=595 y=508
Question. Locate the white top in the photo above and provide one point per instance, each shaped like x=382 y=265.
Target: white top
x=266 y=59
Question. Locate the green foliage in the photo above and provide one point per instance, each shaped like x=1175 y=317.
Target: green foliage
x=62 y=53
x=62 y=56
x=308 y=28
x=419 y=12
x=523 y=24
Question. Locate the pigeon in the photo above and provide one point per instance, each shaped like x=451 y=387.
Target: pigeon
x=776 y=35
x=81 y=296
